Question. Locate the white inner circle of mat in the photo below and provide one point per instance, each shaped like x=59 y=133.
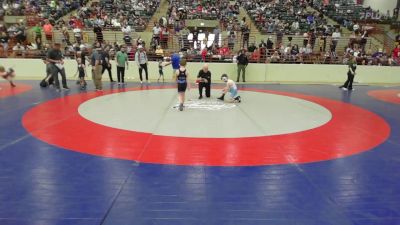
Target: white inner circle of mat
x=153 y=111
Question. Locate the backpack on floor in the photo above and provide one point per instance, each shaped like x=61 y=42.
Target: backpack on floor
x=46 y=81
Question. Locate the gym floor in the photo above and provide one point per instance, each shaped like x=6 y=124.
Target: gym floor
x=288 y=154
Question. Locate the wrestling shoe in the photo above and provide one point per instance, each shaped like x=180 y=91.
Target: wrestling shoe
x=238 y=99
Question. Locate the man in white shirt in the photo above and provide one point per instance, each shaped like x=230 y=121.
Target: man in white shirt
x=77 y=34
x=19 y=50
x=141 y=61
x=126 y=30
x=356 y=27
x=156 y=34
x=335 y=39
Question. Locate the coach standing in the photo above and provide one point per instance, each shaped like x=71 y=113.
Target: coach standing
x=55 y=58
x=204 y=79
x=121 y=60
x=242 y=62
x=95 y=59
x=141 y=60
x=348 y=85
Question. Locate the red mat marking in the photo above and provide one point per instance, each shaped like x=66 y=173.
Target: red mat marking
x=6 y=90
x=391 y=96
x=351 y=130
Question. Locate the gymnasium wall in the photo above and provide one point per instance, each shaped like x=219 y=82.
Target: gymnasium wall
x=381 y=5
x=279 y=73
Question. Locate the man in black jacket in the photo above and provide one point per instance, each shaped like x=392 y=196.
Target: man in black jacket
x=242 y=62
x=204 y=80
x=105 y=55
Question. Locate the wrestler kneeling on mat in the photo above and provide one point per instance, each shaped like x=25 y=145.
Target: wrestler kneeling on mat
x=8 y=75
x=230 y=88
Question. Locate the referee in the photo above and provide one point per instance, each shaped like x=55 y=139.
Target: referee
x=204 y=79
x=348 y=85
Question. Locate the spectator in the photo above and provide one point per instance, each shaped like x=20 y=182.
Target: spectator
x=99 y=33
x=255 y=56
x=242 y=62
x=322 y=43
x=65 y=34
x=356 y=28
x=141 y=61
x=265 y=47
x=396 y=54
x=252 y=48
x=275 y=58
x=159 y=51
x=19 y=50
x=204 y=54
x=126 y=30
x=156 y=34
x=335 y=39
x=270 y=44
x=216 y=33
x=377 y=57
x=246 y=36
x=195 y=39
x=20 y=34
x=225 y=51
x=37 y=32
x=305 y=39
x=121 y=59
x=78 y=35
x=231 y=40
x=48 y=31
x=4 y=42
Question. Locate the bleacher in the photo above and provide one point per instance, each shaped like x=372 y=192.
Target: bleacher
x=271 y=17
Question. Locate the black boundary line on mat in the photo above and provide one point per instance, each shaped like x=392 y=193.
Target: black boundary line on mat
x=103 y=220
x=134 y=164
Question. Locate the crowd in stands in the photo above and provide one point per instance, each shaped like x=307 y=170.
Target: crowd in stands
x=115 y=14
x=46 y=9
x=347 y=13
x=287 y=17
x=221 y=10
x=283 y=19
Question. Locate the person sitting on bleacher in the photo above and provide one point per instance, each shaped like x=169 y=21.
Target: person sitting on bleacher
x=19 y=50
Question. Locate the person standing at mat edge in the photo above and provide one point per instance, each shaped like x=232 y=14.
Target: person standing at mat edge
x=122 y=60
x=56 y=64
x=348 y=85
x=96 y=63
x=141 y=60
x=204 y=80
x=105 y=58
x=175 y=60
x=181 y=77
x=242 y=62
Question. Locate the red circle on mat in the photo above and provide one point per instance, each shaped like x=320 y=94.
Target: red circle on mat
x=351 y=130
x=6 y=90
x=392 y=95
